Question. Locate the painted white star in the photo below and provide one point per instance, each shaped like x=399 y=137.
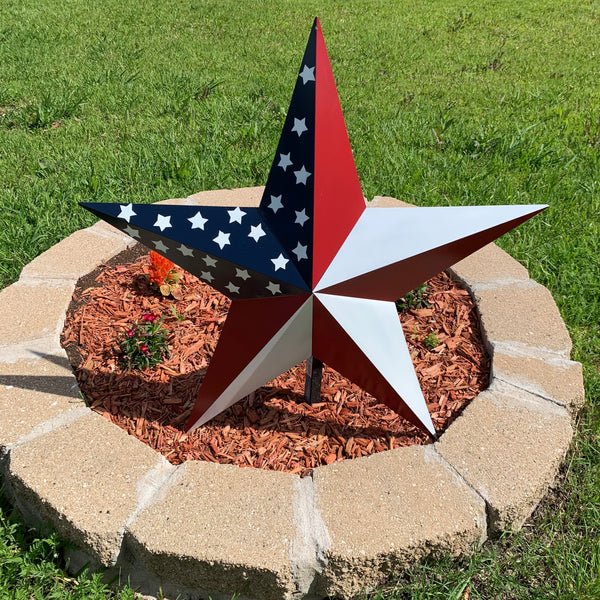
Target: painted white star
x=198 y=221
x=207 y=275
x=185 y=250
x=301 y=217
x=276 y=203
x=256 y=232
x=300 y=251
x=222 y=239
x=163 y=222
x=210 y=261
x=160 y=246
x=274 y=288
x=299 y=126
x=127 y=212
x=234 y=289
x=307 y=74
x=235 y=215
x=242 y=274
x=302 y=175
x=131 y=231
x=280 y=262
x=285 y=161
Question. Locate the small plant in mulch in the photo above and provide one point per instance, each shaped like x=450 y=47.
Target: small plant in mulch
x=163 y=276
x=415 y=299
x=144 y=345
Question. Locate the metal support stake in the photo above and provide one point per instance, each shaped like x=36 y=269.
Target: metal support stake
x=312 y=383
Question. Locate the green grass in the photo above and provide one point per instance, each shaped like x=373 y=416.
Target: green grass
x=445 y=103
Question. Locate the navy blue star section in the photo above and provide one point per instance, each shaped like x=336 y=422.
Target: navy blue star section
x=231 y=249
x=287 y=202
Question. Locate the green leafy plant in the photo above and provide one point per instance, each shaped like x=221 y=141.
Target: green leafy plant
x=430 y=341
x=416 y=298
x=144 y=345
x=178 y=316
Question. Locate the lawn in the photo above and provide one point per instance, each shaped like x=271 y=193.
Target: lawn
x=446 y=103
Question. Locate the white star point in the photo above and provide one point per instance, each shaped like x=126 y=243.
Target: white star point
x=207 y=276
x=302 y=175
x=256 y=232
x=307 y=74
x=299 y=126
x=198 y=221
x=210 y=261
x=242 y=274
x=274 y=288
x=160 y=246
x=185 y=250
x=300 y=251
x=234 y=289
x=301 y=217
x=280 y=262
x=285 y=161
x=127 y=212
x=276 y=203
x=163 y=222
x=222 y=239
x=236 y=215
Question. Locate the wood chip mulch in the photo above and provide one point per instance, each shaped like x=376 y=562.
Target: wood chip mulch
x=272 y=428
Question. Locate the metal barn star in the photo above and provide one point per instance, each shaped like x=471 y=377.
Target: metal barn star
x=312 y=271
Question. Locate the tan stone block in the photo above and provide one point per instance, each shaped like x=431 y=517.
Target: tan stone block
x=524 y=313
x=249 y=196
x=387 y=511
x=487 y=265
x=387 y=202
x=555 y=378
x=75 y=256
x=220 y=529
x=83 y=479
x=508 y=444
x=34 y=392
x=33 y=310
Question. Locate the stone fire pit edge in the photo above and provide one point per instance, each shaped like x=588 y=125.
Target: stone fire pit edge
x=203 y=529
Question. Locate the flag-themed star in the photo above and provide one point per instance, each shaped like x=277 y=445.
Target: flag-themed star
x=312 y=271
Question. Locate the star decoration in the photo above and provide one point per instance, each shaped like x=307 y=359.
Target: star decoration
x=299 y=126
x=275 y=203
x=126 y=212
x=160 y=246
x=185 y=250
x=256 y=232
x=162 y=222
x=284 y=161
x=330 y=292
x=198 y=221
x=302 y=175
x=236 y=215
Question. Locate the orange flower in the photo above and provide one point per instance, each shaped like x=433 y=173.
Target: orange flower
x=160 y=267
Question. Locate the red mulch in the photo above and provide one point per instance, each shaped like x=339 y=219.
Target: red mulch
x=272 y=428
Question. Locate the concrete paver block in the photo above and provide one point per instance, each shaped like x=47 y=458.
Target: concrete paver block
x=33 y=392
x=387 y=202
x=558 y=379
x=83 y=479
x=508 y=445
x=219 y=529
x=387 y=511
x=249 y=196
x=487 y=265
x=75 y=256
x=33 y=310
x=524 y=313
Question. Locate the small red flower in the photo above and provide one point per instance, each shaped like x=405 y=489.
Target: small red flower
x=130 y=333
x=144 y=348
x=149 y=317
